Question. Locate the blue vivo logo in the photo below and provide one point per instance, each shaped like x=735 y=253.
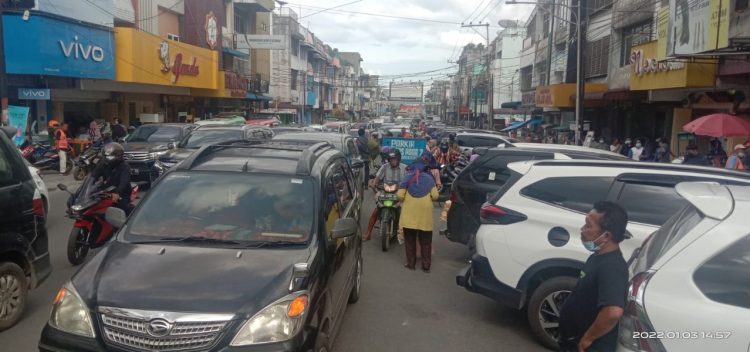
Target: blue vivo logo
x=79 y=51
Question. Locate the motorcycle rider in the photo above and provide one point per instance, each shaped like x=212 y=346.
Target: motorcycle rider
x=392 y=171
x=115 y=173
x=445 y=155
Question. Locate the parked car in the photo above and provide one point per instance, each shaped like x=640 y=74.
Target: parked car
x=40 y=185
x=264 y=256
x=470 y=140
x=343 y=142
x=528 y=250
x=24 y=253
x=234 y=120
x=489 y=172
x=149 y=142
x=206 y=135
x=694 y=272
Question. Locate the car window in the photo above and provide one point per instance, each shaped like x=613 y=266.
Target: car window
x=344 y=190
x=650 y=204
x=671 y=232
x=574 y=193
x=227 y=206
x=725 y=277
x=6 y=166
x=496 y=170
x=156 y=134
x=200 y=138
x=333 y=207
x=352 y=148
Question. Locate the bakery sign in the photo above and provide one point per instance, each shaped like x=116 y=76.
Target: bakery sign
x=644 y=65
x=212 y=30
x=178 y=67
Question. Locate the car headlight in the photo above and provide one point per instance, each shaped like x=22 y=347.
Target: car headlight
x=70 y=314
x=279 y=321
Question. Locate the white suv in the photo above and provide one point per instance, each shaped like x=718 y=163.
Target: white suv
x=529 y=251
x=690 y=286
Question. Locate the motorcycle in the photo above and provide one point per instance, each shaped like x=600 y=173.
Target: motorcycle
x=388 y=204
x=33 y=151
x=87 y=207
x=86 y=162
x=51 y=161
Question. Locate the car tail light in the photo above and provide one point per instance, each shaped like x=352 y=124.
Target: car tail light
x=493 y=214
x=636 y=332
x=38 y=204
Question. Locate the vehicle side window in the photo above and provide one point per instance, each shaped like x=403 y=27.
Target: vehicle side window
x=574 y=193
x=349 y=178
x=341 y=182
x=6 y=166
x=465 y=141
x=650 y=204
x=487 y=142
x=496 y=170
x=332 y=206
x=351 y=147
x=724 y=278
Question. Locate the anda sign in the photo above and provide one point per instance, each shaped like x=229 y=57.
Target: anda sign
x=178 y=67
x=643 y=65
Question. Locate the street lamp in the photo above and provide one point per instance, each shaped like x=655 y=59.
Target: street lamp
x=579 y=58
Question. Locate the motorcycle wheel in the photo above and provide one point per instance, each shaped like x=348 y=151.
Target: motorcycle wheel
x=79 y=173
x=77 y=246
x=386 y=229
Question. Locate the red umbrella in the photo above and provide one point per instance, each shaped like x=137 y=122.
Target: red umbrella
x=719 y=125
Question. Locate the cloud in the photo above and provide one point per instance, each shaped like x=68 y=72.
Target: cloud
x=395 y=46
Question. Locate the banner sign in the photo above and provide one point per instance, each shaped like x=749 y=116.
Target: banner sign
x=697 y=26
x=33 y=94
x=410 y=148
x=18 y=118
x=260 y=41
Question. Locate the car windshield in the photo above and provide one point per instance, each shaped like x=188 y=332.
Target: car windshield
x=200 y=138
x=225 y=206
x=155 y=134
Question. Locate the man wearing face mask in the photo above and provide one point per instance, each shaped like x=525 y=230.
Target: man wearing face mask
x=589 y=317
x=636 y=152
x=115 y=173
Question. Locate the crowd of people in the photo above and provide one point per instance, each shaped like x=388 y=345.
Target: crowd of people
x=99 y=133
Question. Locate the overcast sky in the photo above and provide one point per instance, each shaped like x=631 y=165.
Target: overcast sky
x=394 y=46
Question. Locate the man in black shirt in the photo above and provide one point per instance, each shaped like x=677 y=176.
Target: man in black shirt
x=589 y=318
x=116 y=173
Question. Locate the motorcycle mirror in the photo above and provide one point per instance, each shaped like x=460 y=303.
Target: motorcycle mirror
x=62 y=187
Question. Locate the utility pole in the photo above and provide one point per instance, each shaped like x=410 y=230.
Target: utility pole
x=580 y=63
x=551 y=40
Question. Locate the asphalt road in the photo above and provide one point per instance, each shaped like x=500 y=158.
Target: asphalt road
x=399 y=310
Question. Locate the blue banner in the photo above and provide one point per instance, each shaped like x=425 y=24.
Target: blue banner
x=410 y=148
x=48 y=46
x=18 y=118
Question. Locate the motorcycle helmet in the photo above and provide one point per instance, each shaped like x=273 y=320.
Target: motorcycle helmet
x=444 y=147
x=394 y=153
x=113 y=152
x=452 y=137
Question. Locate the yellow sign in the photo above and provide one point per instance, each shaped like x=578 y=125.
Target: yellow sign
x=647 y=72
x=562 y=95
x=145 y=58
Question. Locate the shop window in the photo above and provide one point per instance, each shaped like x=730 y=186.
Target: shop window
x=526 y=77
x=597 y=57
x=294 y=79
x=632 y=36
x=174 y=37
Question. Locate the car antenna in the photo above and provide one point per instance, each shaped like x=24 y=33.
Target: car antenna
x=244 y=167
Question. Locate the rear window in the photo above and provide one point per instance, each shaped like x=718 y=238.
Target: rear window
x=574 y=193
x=496 y=169
x=650 y=204
x=226 y=206
x=725 y=277
x=671 y=232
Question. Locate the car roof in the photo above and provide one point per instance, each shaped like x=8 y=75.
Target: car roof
x=572 y=149
x=635 y=165
x=168 y=124
x=481 y=134
x=277 y=158
x=575 y=154
x=220 y=127
x=313 y=136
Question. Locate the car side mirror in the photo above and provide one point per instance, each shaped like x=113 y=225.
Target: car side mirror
x=115 y=216
x=343 y=228
x=357 y=163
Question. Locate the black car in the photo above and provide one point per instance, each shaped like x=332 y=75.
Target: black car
x=24 y=253
x=147 y=143
x=212 y=134
x=489 y=172
x=237 y=248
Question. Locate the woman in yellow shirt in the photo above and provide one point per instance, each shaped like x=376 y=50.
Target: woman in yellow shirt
x=417 y=192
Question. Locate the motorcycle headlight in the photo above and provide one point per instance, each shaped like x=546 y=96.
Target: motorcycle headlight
x=70 y=314
x=277 y=322
x=76 y=208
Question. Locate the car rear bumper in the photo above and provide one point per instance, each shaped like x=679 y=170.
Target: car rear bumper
x=460 y=227
x=478 y=277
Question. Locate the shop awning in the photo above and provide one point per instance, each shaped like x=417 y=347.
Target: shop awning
x=235 y=52
x=253 y=96
x=518 y=124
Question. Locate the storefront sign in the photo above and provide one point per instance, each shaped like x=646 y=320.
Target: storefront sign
x=236 y=84
x=33 y=94
x=410 y=149
x=261 y=41
x=47 y=46
x=18 y=118
x=562 y=95
x=212 y=30
x=697 y=26
x=647 y=73
x=170 y=63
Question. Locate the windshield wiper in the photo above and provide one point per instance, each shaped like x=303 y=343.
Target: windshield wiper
x=190 y=239
x=269 y=244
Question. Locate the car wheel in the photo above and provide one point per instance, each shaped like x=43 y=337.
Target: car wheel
x=354 y=295
x=13 y=290
x=543 y=311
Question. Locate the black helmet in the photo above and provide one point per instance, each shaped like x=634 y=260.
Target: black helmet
x=452 y=137
x=113 y=152
x=394 y=153
x=444 y=146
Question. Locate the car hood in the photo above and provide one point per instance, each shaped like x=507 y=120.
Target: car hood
x=187 y=278
x=178 y=154
x=142 y=146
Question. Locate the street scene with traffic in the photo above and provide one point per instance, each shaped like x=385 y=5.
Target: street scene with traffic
x=220 y=175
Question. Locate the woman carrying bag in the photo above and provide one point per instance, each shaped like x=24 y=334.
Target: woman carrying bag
x=417 y=192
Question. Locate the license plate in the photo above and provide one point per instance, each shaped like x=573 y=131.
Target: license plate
x=389 y=196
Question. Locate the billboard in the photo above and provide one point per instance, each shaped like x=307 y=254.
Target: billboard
x=697 y=26
x=410 y=148
x=406 y=91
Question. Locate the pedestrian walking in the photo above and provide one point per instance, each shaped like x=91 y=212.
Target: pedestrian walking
x=364 y=152
x=417 y=192
x=636 y=153
x=62 y=146
x=590 y=315
x=737 y=160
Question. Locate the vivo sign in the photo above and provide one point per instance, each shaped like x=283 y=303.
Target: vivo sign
x=55 y=47
x=77 y=50
x=33 y=94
